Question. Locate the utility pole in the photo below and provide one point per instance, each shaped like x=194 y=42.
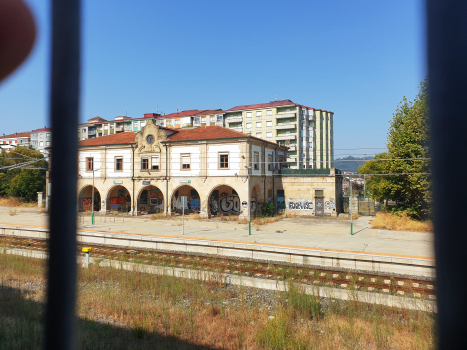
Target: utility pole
x=249 y=204
x=350 y=206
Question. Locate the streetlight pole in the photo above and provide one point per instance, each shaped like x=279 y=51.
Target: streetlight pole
x=92 y=206
x=350 y=200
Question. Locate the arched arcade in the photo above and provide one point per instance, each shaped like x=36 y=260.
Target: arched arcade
x=85 y=199
x=119 y=199
x=150 y=200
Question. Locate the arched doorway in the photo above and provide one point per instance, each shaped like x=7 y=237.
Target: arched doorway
x=119 y=199
x=193 y=200
x=150 y=200
x=85 y=199
x=224 y=200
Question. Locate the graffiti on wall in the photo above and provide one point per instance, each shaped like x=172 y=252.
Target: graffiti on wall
x=229 y=204
x=329 y=206
x=280 y=202
x=86 y=204
x=193 y=203
x=121 y=202
x=301 y=204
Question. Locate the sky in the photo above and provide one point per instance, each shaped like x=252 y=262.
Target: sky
x=357 y=59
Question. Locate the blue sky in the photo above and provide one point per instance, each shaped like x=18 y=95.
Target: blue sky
x=355 y=58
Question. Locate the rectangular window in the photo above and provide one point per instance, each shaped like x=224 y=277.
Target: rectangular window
x=219 y=118
x=319 y=193
x=270 y=162
x=203 y=120
x=269 y=135
x=223 y=160
x=269 y=112
x=112 y=126
x=155 y=163
x=258 y=124
x=256 y=161
x=41 y=143
x=47 y=135
x=287 y=121
x=213 y=120
x=196 y=120
x=280 y=193
x=259 y=134
x=177 y=121
x=248 y=125
x=287 y=133
x=118 y=163
x=287 y=110
x=90 y=164
x=144 y=163
x=186 y=161
x=47 y=143
x=259 y=113
x=248 y=114
x=135 y=125
x=269 y=123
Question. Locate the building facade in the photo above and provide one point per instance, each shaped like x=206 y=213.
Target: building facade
x=41 y=139
x=308 y=132
x=9 y=142
x=220 y=171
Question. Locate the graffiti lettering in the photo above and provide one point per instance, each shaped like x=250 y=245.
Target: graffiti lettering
x=86 y=204
x=330 y=204
x=301 y=205
x=230 y=204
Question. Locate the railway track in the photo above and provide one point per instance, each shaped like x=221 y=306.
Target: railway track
x=341 y=278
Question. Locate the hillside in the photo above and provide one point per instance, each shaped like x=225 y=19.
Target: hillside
x=349 y=166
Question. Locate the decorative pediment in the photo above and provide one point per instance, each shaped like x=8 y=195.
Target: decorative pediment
x=149 y=138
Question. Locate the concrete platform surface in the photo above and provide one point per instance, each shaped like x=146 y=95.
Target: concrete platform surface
x=319 y=233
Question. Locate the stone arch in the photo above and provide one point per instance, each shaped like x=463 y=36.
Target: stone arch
x=118 y=199
x=85 y=198
x=150 y=199
x=223 y=199
x=193 y=200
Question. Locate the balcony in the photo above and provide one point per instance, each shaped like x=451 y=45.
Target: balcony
x=285 y=115
x=91 y=131
x=310 y=117
x=234 y=120
x=220 y=123
x=119 y=129
x=99 y=129
x=292 y=147
x=286 y=137
x=286 y=126
x=292 y=159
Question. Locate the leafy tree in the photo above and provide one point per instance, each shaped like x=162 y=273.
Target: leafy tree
x=407 y=139
x=19 y=182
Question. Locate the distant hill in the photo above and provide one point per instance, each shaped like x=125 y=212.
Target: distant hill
x=349 y=166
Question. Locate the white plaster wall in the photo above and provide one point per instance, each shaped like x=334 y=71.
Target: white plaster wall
x=195 y=166
x=82 y=163
x=234 y=160
x=126 y=154
x=253 y=150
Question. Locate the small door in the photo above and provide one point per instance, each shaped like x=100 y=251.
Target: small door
x=319 y=208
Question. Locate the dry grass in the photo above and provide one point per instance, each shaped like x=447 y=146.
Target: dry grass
x=260 y=221
x=16 y=202
x=12 y=212
x=121 y=309
x=345 y=216
x=400 y=223
x=159 y=216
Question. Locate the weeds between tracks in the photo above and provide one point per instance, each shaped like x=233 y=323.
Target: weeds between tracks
x=121 y=309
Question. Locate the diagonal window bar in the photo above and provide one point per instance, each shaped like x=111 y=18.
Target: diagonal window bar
x=64 y=104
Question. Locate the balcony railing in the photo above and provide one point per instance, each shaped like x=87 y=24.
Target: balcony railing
x=292 y=147
x=291 y=159
x=234 y=119
x=92 y=132
x=286 y=137
x=286 y=126
x=285 y=115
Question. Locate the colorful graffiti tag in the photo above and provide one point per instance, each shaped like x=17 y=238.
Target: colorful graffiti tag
x=86 y=204
x=193 y=203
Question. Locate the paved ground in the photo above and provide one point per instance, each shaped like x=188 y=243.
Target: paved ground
x=324 y=233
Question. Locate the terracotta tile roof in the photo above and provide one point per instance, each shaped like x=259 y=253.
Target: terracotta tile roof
x=263 y=105
x=42 y=129
x=114 y=139
x=210 y=133
x=15 y=135
x=188 y=113
x=210 y=111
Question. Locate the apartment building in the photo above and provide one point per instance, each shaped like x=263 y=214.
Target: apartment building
x=41 y=139
x=9 y=142
x=306 y=131
x=177 y=120
x=97 y=126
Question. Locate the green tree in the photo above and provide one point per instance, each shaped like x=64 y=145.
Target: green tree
x=407 y=139
x=20 y=182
